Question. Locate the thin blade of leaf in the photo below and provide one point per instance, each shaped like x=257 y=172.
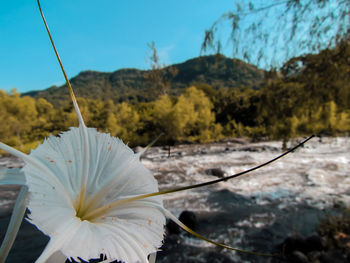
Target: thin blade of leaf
x=187 y=229
x=15 y=223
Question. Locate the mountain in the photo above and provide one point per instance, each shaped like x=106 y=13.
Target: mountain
x=134 y=85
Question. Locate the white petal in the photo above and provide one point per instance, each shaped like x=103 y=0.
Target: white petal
x=108 y=260
x=55 y=244
x=34 y=163
x=57 y=257
x=129 y=232
x=64 y=157
x=152 y=258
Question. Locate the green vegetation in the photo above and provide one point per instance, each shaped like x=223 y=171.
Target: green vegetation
x=311 y=94
x=267 y=33
x=134 y=86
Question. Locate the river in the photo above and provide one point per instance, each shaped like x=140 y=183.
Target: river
x=255 y=212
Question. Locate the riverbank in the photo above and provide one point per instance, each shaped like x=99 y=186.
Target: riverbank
x=255 y=212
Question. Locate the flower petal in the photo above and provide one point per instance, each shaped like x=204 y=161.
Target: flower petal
x=108 y=260
x=93 y=239
x=128 y=232
x=152 y=258
x=57 y=257
x=66 y=231
x=34 y=163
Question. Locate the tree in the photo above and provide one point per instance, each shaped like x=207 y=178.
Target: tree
x=123 y=122
x=22 y=114
x=43 y=124
x=268 y=33
x=162 y=118
x=326 y=75
x=159 y=76
x=329 y=117
x=194 y=118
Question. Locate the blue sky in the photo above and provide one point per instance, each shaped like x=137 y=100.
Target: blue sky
x=103 y=35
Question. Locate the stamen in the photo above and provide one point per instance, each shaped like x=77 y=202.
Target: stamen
x=89 y=202
x=102 y=210
x=80 y=203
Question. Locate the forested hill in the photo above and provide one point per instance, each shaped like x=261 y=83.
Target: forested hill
x=310 y=94
x=133 y=85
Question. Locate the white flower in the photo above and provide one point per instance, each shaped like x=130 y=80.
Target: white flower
x=91 y=195
x=75 y=182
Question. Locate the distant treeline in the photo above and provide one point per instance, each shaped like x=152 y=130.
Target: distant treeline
x=310 y=95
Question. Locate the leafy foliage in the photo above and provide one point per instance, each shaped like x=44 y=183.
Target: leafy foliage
x=267 y=32
x=158 y=77
x=311 y=94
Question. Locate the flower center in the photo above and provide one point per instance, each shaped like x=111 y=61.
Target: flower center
x=80 y=206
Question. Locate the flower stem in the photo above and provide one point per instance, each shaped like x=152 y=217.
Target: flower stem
x=75 y=104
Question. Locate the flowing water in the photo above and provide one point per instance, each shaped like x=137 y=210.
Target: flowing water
x=256 y=211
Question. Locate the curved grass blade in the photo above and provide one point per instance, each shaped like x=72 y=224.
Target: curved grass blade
x=187 y=229
x=107 y=207
x=15 y=223
x=149 y=145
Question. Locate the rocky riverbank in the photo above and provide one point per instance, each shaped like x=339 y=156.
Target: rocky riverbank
x=280 y=204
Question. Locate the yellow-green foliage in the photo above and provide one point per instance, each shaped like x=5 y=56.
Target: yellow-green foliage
x=189 y=118
x=200 y=125
x=344 y=121
x=276 y=111
x=18 y=115
x=313 y=98
x=163 y=118
x=127 y=122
